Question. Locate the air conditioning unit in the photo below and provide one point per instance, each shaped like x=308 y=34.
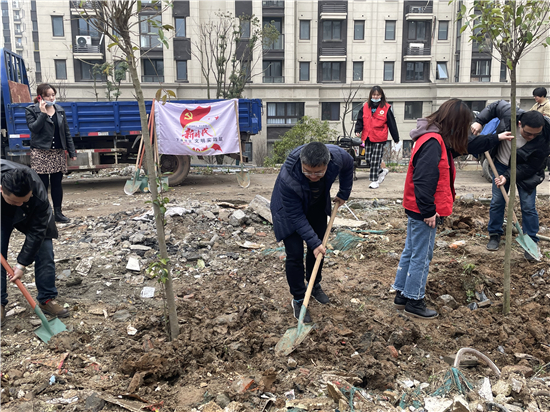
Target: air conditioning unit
x=83 y=41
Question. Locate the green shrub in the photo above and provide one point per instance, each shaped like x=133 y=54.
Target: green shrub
x=305 y=131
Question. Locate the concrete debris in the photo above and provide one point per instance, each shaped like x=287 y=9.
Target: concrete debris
x=260 y=205
x=133 y=264
x=432 y=404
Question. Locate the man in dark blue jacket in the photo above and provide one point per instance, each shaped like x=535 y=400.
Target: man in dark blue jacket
x=300 y=204
x=533 y=148
x=25 y=207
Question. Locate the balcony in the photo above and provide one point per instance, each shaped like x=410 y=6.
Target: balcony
x=86 y=49
x=273 y=4
x=152 y=79
x=79 y=4
x=15 y=4
x=417 y=52
x=277 y=45
x=419 y=13
x=274 y=79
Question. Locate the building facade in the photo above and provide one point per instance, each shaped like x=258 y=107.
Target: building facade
x=328 y=55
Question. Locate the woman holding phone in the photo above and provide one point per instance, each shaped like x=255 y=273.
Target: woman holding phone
x=50 y=138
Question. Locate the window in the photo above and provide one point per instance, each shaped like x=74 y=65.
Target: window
x=34 y=25
x=331 y=71
x=6 y=26
x=273 y=71
x=153 y=70
x=390 y=30
x=415 y=71
x=245 y=28
x=87 y=70
x=284 y=113
x=359 y=30
x=304 y=29
x=330 y=111
x=388 y=71
x=481 y=70
x=57 y=26
x=503 y=71
x=457 y=70
x=120 y=71
x=413 y=110
x=355 y=108
x=441 y=73
x=38 y=67
x=180 y=27
x=86 y=29
x=19 y=42
x=418 y=30
x=5 y=12
x=443 y=32
x=149 y=34
x=304 y=71
x=60 y=69
x=357 y=70
x=36 y=46
x=17 y=28
x=476 y=105
x=277 y=23
x=332 y=30
x=181 y=70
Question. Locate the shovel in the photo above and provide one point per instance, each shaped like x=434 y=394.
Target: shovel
x=132 y=186
x=525 y=241
x=294 y=336
x=48 y=328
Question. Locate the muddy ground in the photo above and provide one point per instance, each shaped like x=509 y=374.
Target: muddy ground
x=233 y=306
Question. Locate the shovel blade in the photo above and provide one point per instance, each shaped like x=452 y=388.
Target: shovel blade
x=132 y=186
x=292 y=338
x=45 y=333
x=529 y=245
x=243 y=178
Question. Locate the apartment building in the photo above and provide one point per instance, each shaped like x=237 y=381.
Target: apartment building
x=327 y=51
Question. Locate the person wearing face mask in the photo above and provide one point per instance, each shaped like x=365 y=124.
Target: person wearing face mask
x=50 y=138
x=373 y=122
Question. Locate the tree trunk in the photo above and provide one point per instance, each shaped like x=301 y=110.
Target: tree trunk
x=512 y=196
x=159 y=219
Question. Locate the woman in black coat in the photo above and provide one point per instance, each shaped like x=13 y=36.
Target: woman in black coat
x=50 y=138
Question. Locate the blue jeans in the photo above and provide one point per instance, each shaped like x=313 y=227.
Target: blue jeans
x=412 y=272
x=44 y=267
x=529 y=215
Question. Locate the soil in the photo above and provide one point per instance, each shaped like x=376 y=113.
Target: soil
x=233 y=306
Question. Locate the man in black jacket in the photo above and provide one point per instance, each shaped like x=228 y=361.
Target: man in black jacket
x=25 y=207
x=533 y=147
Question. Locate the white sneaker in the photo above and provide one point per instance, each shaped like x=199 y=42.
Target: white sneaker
x=374 y=185
x=382 y=175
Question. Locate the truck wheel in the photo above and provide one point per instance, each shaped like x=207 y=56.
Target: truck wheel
x=177 y=165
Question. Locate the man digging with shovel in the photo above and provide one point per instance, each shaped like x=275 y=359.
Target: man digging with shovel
x=300 y=204
x=25 y=207
x=533 y=148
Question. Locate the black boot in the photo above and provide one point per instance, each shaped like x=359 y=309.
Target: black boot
x=418 y=309
x=59 y=217
x=494 y=242
x=399 y=301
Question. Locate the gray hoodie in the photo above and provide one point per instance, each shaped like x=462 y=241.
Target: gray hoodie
x=422 y=128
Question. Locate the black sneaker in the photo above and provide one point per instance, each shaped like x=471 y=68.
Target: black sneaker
x=418 y=309
x=297 y=307
x=319 y=295
x=399 y=301
x=494 y=242
x=528 y=256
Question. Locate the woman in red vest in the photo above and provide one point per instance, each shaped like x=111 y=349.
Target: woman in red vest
x=429 y=196
x=373 y=122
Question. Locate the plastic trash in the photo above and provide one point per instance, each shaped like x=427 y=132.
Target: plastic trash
x=457 y=244
x=147 y=292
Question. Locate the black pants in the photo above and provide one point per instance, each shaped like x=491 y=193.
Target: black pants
x=294 y=248
x=57 y=189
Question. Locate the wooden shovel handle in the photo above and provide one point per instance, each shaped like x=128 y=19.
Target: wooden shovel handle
x=20 y=285
x=504 y=194
x=319 y=257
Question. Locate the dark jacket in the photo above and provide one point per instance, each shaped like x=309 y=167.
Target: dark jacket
x=390 y=120
x=34 y=218
x=291 y=195
x=42 y=129
x=531 y=158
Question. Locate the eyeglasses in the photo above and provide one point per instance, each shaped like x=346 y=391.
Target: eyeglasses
x=527 y=134
x=319 y=174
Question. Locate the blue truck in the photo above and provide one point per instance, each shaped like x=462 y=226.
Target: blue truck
x=105 y=133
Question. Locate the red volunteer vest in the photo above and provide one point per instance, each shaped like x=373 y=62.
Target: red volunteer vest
x=444 y=193
x=375 y=126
